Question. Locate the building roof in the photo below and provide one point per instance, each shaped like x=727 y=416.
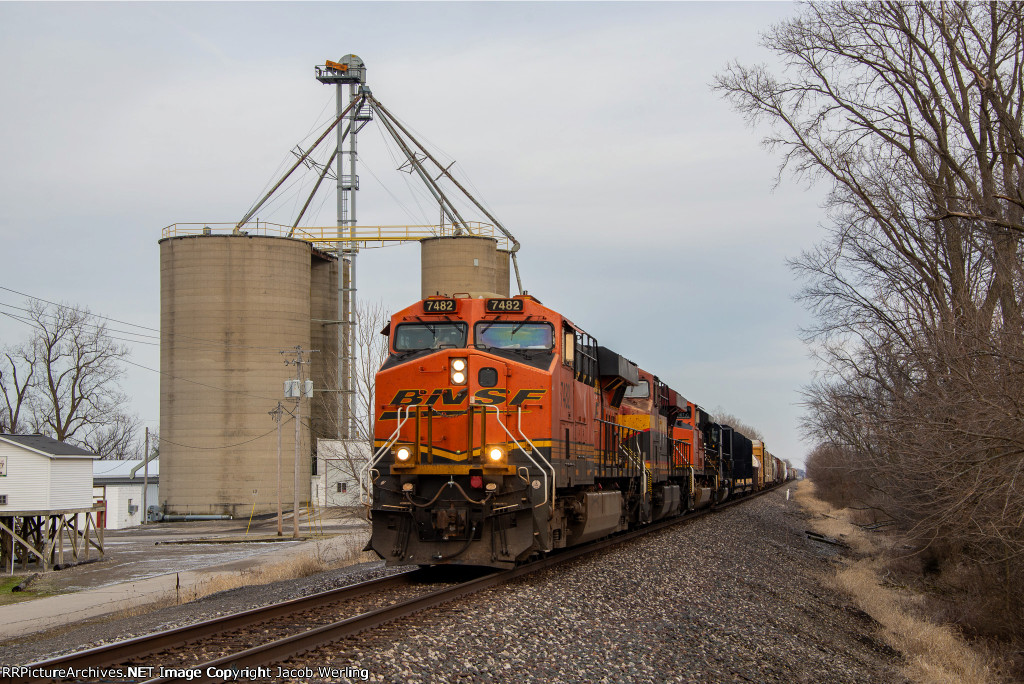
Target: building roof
x=47 y=446
x=120 y=472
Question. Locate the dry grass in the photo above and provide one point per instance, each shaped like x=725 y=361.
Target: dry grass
x=832 y=522
x=328 y=554
x=934 y=653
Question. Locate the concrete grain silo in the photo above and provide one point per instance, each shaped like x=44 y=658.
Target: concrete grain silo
x=502 y=271
x=463 y=264
x=229 y=304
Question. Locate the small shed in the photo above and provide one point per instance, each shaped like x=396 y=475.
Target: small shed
x=336 y=483
x=119 y=485
x=45 y=500
x=43 y=474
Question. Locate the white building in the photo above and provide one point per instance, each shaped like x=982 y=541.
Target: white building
x=119 y=485
x=38 y=473
x=46 y=503
x=336 y=482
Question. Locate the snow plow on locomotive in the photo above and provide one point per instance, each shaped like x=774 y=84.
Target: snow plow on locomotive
x=503 y=431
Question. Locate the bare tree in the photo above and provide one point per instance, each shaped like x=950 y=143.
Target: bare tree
x=117 y=440
x=912 y=112
x=725 y=418
x=67 y=377
x=16 y=372
x=371 y=352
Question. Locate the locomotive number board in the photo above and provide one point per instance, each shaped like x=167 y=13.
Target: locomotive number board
x=439 y=306
x=504 y=305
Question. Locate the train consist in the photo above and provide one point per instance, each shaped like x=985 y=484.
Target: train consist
x=504 y=431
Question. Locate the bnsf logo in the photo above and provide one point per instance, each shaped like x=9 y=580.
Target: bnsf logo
x=450 y=397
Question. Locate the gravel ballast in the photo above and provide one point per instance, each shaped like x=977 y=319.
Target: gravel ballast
x=732 y=596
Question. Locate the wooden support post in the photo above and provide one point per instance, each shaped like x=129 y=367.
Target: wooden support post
x=24 y=534
x=6 y=546
x=85 y=535
x=90 y=525
x=73 y=533
x=48 y=547
x=19 y=540
x=99 y=534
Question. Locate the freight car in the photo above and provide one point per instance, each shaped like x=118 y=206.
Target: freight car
x=504 y=431
x=770 y=470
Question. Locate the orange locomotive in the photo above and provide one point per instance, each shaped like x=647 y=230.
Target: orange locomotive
x=503 y=431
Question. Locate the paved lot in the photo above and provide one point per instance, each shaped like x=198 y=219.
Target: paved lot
x=147 y=564
x=158 y=549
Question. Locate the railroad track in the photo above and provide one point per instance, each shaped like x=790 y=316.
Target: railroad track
x=226 y=632
x=285 y=630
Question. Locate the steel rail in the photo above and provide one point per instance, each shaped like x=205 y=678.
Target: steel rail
x=287 y=647
x=123 y=651
x=281 y=649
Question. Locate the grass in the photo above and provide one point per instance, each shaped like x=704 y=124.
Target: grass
x=933 y=653
x=8 y=597
x=8 y=583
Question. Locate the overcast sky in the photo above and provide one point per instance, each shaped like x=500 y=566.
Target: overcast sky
x=644 y=205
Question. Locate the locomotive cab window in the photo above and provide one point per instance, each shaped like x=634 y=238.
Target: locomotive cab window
x=568 y=346
x=640 y=391
x=421 y=336
x=515 y=335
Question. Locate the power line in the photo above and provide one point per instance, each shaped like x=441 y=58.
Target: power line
x=196 y=382
x=225 y=446
x=33 y=323
x=217 y=343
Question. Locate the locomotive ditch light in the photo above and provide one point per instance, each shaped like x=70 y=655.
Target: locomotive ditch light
x=404 y=455
x=495 y=455
x=458 y=371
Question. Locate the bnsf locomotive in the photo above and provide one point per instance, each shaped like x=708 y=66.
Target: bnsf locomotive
x=504 y=431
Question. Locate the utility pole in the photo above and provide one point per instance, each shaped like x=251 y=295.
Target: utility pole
x=298 y=442
x=145 y=478
x=276 y=414
x=298 y=388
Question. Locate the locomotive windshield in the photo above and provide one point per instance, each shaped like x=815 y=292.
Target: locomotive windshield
x=515 y=335
x=421 y=336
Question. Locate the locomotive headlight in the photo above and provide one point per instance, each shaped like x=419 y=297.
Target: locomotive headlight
x=495 y=454
x=403 y=454
x=458 y=371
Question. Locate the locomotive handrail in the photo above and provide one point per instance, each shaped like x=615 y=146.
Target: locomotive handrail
x=364 y=492
x=519 y=427
x=497 y=415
